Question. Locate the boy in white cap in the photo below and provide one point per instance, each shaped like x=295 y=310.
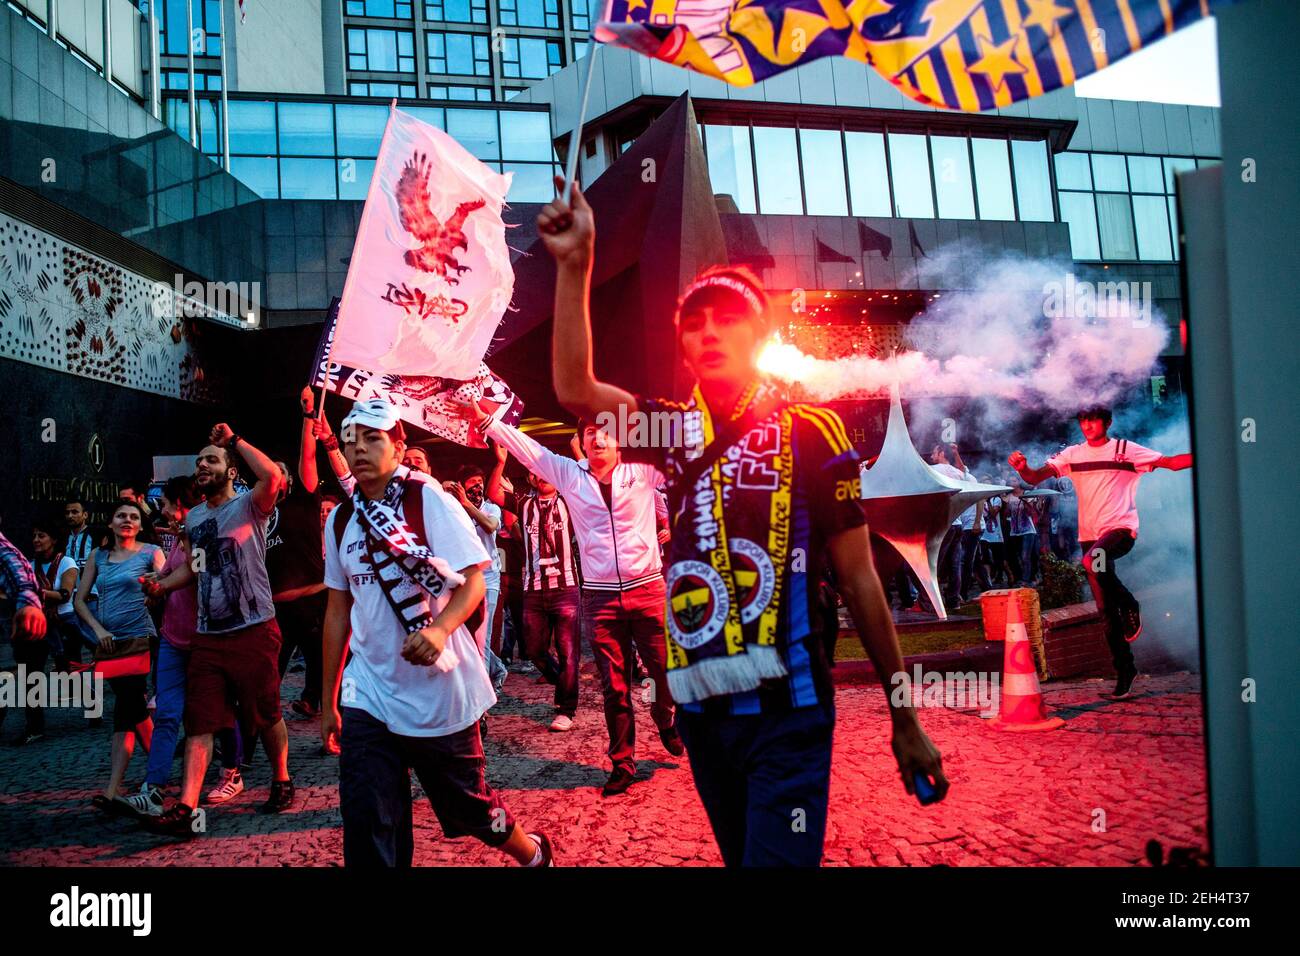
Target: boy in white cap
x=404 y=570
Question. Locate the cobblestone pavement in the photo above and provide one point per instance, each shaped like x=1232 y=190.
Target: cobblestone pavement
x=1091 y=793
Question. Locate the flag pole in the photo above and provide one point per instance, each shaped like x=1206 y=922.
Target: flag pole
x=575 y=138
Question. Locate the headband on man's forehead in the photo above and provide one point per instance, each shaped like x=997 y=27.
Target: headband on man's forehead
x=731 y=284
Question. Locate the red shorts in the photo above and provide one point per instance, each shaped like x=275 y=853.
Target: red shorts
x=237 y=671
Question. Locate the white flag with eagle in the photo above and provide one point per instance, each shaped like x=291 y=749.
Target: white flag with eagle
x=430 y=276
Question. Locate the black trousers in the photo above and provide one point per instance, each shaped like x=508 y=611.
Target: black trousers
x=302 y=625
x=33 y=654
x=1112 y=597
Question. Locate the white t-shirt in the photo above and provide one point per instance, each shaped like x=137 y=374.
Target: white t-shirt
x=66 y=564
x=492 y=573
x=1105 y=479
x=411 y=700
x=967 y=518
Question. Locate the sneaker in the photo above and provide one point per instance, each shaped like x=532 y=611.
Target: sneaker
x=562 y=723
x=1124 y=685
x=281 y=797
x=618 y=782
x=1131 y=618
x=672 y=741
x=231 y=786
x=304 y=710
x=548 y=853
x=147 y=803
x=483 y=727
x=178 y=821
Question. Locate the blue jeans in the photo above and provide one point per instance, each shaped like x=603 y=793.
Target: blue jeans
x=764 y=780
x=169 y=707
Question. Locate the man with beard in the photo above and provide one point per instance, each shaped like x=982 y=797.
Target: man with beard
x=486 y=516
x=236 y=645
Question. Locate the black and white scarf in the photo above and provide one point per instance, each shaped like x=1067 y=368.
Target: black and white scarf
x=408 y=571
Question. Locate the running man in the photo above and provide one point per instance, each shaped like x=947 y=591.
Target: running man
x=1105 y=473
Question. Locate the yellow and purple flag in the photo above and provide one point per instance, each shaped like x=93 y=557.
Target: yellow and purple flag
x=960 y=54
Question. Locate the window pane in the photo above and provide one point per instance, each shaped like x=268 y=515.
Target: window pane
x=526 y=136
x=531 y=183
x=1115 y=224
x=731 y=169
x=823 y=172
x=252 y=127
x=1150 y=218
x=952 y=177
x=307 y=179
x=909 y=164
x=257 y=173
x=868 y=177
x=360 y=128
x=1175 y=165
x=1072 y=170
x=306 y=129
x=1173 y=226
x=993 y=178
x=432 y=115
x=778 y=170
x=381 y=47
x=1077 y=209
x=354 y=177
x=476 y=130
x=1033 y=185
x=1108 y=172
x=1145 y=175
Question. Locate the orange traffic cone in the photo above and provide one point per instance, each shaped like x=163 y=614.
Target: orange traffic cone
x=1022 y=699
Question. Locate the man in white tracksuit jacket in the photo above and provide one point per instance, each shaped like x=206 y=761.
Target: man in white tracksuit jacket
x=612 y=505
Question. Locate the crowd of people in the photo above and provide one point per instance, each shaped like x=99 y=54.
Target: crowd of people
x=412 y=597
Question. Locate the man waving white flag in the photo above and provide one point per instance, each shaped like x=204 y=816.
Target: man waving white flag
x=430 y=275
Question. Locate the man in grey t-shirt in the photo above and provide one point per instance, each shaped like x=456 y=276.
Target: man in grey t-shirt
x=235 y=650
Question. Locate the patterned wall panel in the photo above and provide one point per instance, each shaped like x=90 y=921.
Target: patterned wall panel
x=65 y=309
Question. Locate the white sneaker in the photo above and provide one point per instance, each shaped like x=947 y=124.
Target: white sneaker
x=231 y=785
x=147 y=803
x=562 y=723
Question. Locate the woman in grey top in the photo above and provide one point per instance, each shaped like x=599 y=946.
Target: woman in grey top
x=121 y=615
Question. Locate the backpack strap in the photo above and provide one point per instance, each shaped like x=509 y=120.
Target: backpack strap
x=342 y=515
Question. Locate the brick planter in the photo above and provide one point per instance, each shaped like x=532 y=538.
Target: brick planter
x=1074 y=642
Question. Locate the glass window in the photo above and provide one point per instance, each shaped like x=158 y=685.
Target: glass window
x=476 y=130
x=306 y=129
x=1173 y=226
x=529 y=57
x=526 y=136
x=360 y=128
x=1150 y=217
x=468 y=93
x=1078 y=210
x=531 y=183
x=580 y=17
x=909 y=165
x=1115 y=225
x=1108 y=172
x=252 y=127
x=1072 y=171
x=1033 y=183
x=993 y=178
x=307 y=179
x=778 y=170
x=1175 y=165
x=456 y=11
x=354 y=178
x=379 y=8
x=731 y=167
x=531 y=13
x=404 y=90
x=823 y=172
x=952 y=177
x=258 y=173
x=868 y=177
x=1145 y=174
x=389 y=51
x=464 y=54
